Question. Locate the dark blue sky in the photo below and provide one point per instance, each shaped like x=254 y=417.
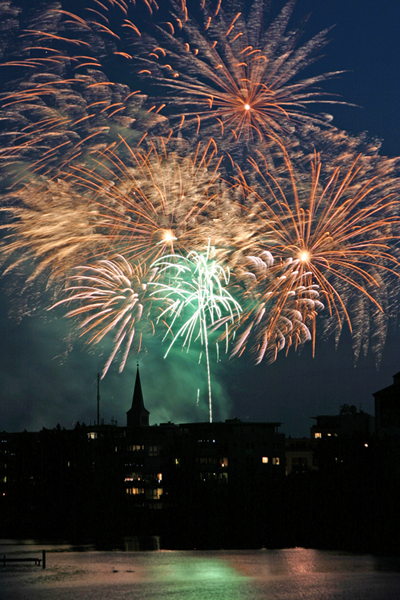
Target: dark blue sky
x=42 y=384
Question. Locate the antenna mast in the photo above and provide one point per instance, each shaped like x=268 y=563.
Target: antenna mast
x=98 y=399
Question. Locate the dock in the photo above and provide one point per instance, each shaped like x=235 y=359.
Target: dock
x=33 y=559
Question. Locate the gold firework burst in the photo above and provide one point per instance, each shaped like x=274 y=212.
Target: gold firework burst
x=235 y=78
x=338 y=232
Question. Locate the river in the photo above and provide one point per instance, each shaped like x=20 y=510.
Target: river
x=290 y=574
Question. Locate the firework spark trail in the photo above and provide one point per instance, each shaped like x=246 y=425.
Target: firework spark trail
x=277 y=308
x=235 y=78
x=338 y=232
x=66 y=105
x=51 y=226
x=158 y=205
x=152 y=204
x=96 y=199
x=112 y=298
x=144 y=206
x=198 y=285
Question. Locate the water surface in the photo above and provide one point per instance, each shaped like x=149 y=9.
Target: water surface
x=291 y=574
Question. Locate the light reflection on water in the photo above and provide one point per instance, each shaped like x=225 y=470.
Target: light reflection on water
x=291 y=574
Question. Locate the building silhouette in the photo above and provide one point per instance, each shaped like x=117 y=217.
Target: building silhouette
x=198 y=473
x=225 y=484
x=387 y=408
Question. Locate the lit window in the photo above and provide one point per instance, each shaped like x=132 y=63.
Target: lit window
x=276 y=460
x=223 y=462
x=134 y=491
x=318 y=435
x=178 y=462
x=154 y=494
x=133 y=477
x=92 y=435
x=265 y=459
x=329 y=434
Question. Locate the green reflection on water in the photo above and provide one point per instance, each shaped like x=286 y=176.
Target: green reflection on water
x=196 y=569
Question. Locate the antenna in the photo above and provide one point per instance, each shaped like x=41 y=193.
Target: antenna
x=98 y=398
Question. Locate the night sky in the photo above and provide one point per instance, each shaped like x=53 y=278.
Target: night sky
x=48 y=378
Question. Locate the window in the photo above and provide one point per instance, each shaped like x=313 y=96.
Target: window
x=134 y=491
x=177 y=462
x=223 y=462
x=135 y=447
x=276 y=460
x=133 y=477
x=154 y=493
x=154 y=450
x=265 y=459
x=318 y=435
x=92 y=435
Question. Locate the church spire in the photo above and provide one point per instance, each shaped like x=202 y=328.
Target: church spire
x=137 y=415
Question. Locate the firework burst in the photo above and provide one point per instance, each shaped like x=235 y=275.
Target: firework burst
x=106 y=200
x=278 y=308
x=198 y=285
x=60 y=98
x=146 y=206
x=338 y=232
x=111 y=299
x=232 y=76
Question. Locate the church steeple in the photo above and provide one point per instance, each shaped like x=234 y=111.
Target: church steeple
x=137 y=415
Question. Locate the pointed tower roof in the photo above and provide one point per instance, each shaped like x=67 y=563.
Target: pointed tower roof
x=137 y=415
